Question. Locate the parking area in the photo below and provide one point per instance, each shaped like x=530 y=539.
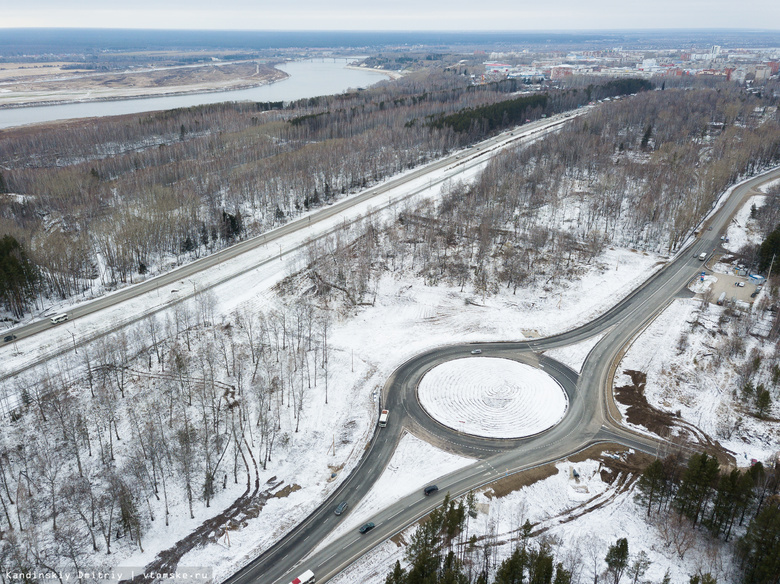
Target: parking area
x=729 y=284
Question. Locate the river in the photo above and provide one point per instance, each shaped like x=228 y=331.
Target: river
x=307 y=79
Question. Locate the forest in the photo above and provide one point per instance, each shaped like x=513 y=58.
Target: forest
x=103 y=203
x=638 y=173
x=187 y=403
x=678 y=497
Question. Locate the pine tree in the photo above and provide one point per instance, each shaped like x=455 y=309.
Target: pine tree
x=397 y=576
x=696 y=488
x=759 y=548
x=650 y=484
x=617 y=559
x=512 y=569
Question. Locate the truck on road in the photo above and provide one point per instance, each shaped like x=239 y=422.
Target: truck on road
x=721 y=298
x=306 y=578
x=383 y=418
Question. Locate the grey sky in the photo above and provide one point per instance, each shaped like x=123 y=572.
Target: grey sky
x=393 y=14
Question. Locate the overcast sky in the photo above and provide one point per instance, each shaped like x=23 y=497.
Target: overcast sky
x=393 y=14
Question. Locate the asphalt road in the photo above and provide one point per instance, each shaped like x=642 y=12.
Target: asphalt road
x=588 y=418
x=587 y=421
x=458 y=162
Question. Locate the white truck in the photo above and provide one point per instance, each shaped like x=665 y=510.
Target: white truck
x=702 y=256
x=383 y=418
x=306 y=578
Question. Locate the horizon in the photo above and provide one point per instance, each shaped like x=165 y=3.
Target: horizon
x=403 y=15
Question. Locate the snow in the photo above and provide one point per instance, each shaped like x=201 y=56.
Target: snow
x=766 y=187
x=685 y=381
x=490 y=397
x=574 y=355
x=577 y=513
x=743 y=230
x=414 y=465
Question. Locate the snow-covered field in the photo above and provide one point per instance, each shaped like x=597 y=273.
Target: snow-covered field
x=490 y=397
x=604 y=512
x=692 y=358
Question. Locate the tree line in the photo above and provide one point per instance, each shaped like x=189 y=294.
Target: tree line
x=682 y=497
x=108 y=201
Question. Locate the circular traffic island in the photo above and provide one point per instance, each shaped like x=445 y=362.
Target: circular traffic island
x=492 y=398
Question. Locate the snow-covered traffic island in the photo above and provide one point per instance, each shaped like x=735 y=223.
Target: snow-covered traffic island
x=495 y=398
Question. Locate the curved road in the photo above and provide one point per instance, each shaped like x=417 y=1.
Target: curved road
x=587 y=421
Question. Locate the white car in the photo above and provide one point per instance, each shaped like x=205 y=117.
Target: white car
x=741 y=284
x=476 y=352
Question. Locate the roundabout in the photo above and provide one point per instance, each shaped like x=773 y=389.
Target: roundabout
x=492 y=397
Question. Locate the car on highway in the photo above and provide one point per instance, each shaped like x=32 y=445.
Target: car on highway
x=430 y=489
x=341 y=508
x=8 y=338
x=741 y=284
x=366 y=528
x=476 y=352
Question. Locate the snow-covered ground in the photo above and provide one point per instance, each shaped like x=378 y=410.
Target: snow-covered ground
x=766 y=187
x=604 y=512
x=490 y=397
x=743 y=229
x=693 y=358
x=414 y=465
x=574 y=356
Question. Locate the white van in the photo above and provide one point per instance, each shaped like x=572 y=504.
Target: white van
x=703 y=256
x=59 y=318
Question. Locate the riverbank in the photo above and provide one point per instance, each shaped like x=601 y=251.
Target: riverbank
x=391 y=74
x=217 y=79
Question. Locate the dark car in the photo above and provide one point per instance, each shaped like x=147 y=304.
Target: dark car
x=341 y=508
x=8 y=338
x=430 y=489
x=366 y=528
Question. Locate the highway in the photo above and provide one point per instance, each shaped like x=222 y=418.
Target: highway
x=315 y=225
x=589 y=419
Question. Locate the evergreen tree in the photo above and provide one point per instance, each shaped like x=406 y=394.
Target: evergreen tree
x=512 y=569
x=397 y=576
x=696 y=487
x=650 y=485
x=759 y=548
x=562 y=576
x=768 y=249
x=617 y=559
x=18 y=276
x=763 y=401
x=638 y=567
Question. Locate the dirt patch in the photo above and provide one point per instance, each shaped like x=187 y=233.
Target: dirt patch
x=512 y=483
x=282 y=493
x=639 y=411
x=664 y=424
x=398 y=539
